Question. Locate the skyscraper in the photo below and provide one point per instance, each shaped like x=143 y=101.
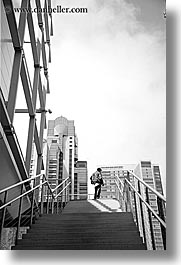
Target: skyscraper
x=150 y=173
x=80 y=180
x=63 y=155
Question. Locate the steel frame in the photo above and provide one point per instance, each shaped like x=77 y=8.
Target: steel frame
x=20 y=68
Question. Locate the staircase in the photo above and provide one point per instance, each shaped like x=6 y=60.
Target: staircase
x=84 y=225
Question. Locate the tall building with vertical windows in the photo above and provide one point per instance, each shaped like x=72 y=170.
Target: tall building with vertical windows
x=110 y=174
x=150 y=173
x=80 y=180
x=63 y=156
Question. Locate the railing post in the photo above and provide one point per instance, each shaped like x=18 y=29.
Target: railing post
x=128 y=197
x=136 y=213
x=19 y=215
x=150 y=221
x=3 y=211
x=42 y=198
x=57 y=205
x=47 y=201
x=52 y=205
x=162 y=216
x=32 y=204
x=141 y=211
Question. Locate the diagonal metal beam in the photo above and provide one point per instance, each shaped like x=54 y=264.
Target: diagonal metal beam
x=37 y=141
x=32 y=38
x=22 y=20
x=8 y=5
x=27 y=87
x=39 y=14
x=14 y=84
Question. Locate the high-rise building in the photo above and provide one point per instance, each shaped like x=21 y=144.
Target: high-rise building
x=151 y=175
x=110 y=174
x=63 y=155
x=80 y=180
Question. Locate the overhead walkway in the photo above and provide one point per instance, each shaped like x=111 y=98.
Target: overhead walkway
x=84 y=225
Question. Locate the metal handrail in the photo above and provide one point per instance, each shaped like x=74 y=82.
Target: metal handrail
x=146 y=185
x=149 y=187
x=22 y=195
x=62 y=190
x=19 y=183
x=60 y=184
x=151 y=211
x=119 y=188
x=33 y=201
x=155 y=214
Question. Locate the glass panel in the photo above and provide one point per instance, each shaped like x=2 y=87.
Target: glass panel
x=7 y=54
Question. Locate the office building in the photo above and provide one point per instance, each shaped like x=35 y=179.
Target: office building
x=63 y=156
x=150 y=173
x=80 y=180
x=110 y=175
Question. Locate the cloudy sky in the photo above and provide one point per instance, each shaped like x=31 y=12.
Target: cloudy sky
x=108 y=75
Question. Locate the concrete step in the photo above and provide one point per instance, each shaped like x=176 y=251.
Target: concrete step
x=103 y=246
x=80 y=239
x=83 y=233
x=81 y=227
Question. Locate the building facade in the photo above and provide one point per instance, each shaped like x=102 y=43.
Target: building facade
x=110 y=175
x=80 y=180
x=150 y=173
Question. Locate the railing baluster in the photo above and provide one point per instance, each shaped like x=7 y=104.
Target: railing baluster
x=4 y=211
x=136 y=210
x=162 y=216
x=32 y=204
x=47 y=201
x=42 y=199
x=150 y=221
x=52 y=205
x=141 y=212
x=19 y=215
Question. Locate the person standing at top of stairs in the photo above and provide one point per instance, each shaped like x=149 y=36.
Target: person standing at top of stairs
x=97 y=180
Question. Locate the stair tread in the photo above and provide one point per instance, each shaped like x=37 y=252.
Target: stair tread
x=79 y=226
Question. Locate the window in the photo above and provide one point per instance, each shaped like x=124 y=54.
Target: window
x=54 y=141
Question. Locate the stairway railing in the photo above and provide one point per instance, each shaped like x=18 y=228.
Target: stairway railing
x=137 y=196
x=33 y=191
